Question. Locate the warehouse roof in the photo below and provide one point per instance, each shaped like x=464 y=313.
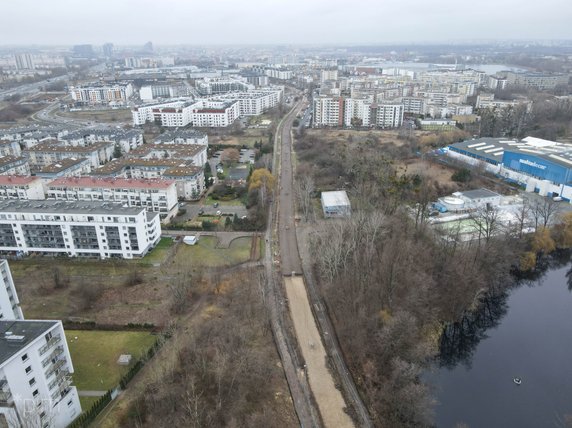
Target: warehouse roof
x=335 y=199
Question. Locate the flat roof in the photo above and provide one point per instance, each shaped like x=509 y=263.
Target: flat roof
x=67 y=207
x=61 y=165
x=7 y=160
x=479 y=194
x=494 y=149
x=112 y=183
x=335 y=199
x=23 y=333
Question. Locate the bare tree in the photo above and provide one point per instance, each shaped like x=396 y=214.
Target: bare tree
x=523 y=219
x=304 y=190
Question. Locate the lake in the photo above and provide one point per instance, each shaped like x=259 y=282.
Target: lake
x=527 y=334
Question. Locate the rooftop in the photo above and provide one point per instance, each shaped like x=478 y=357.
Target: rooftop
x=111 y=183
x=336 y=198
x=61 y=165
x=65 y=207
x=479 y=194
x=22 y=333
x=16 y=180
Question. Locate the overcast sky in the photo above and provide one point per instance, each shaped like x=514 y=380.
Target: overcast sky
x=280 y=21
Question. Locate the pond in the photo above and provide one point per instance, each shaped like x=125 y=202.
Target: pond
x=525 y=333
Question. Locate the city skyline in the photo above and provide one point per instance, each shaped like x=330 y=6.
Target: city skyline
x=285 y=22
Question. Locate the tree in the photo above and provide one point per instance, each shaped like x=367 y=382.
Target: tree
x=305 y=188
x=542 y=242
x=263 y=181
x=462 y=176
x=543 y=211
x=230 y=156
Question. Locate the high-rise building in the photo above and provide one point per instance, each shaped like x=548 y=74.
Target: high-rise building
x=82 y=51
x=108 y=50
x=35 y=375
x=24 y=61
x=9 y=303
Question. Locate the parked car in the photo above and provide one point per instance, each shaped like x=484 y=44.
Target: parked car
x=215 y=205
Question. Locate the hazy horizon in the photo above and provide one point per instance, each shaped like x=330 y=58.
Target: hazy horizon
x=294 y=22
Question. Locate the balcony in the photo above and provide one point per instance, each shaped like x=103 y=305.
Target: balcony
x=56 y=366
x=57 y=352
x=53 y=341
x=61 y=378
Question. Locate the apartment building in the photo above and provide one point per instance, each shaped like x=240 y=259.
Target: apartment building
x=21 y=187
x=221 y=85
x=540 y=81
x=9 y=303
x=167 y=90
x=214 y=113
x=157 y=195
x=12 y=165
x=387 y=115
x=183 y=136
x=328 y=111
x=194 y=154
x=127 y=140
x=69 y=167
x=81 y=228
x=102 y=93
x=10 y=148
x=279 y=73
x=35 y=375
x=190 y=179
x=52 y=151
x=254 y=103
x=171 y=114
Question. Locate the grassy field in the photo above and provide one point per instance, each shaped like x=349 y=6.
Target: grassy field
x=87 y=402
x=95 y=353
x=234 y=202
x=119 y=115
x=205 y=254
x=158 y=254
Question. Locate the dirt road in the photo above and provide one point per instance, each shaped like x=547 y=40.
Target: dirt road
x=329 y=399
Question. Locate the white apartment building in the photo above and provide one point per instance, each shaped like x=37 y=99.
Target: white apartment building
x=190 y=179
x=170 y=90
x=127 y=140
x=12 y=165
x=35 y=375
x=221 y=85
x=279 y=73
x=69 y=167
x=10 y=148
x=328 y=75
x=81 y=228
x=387 y=115
x=9 y=304
x=254 y=103
x=52 y=152
x=171 y=114
x=328 y=111
x=413 y=105
x=21 y=187
x=155 y=195
x=183 y=136
x=102 y=93
x=214 y=113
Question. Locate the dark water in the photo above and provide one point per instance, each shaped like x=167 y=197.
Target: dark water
x=526 y=334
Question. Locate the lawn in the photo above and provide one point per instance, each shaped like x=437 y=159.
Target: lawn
x=204 y=252
x=87 y=402
x=158 y=254
x=95 y=353
x=234 y=202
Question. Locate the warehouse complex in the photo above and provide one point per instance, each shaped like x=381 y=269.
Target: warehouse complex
x=541 y=166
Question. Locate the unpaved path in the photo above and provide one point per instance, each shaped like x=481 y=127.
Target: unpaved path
x=328 y=397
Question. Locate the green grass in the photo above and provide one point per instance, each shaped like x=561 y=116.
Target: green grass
x=204 y=252
x=158 y=254
x=95 y=353
x=87 y=402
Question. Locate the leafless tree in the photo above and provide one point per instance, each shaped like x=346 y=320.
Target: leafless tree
x=305 y=188
x=523 y=217
x=544 y=211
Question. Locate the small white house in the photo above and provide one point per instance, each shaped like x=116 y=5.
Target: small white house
x=191 y=239
x=336 y=204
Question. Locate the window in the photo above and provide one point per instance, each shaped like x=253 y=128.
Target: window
x=70 y=403
x=28 y=369
x=24 y=357
x=35 y=393
x=32 y=381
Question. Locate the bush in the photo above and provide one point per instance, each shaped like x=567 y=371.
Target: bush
x=462 y=176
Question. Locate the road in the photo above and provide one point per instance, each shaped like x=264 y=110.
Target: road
x=306 y=308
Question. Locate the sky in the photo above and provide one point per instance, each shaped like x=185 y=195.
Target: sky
x=207 y=22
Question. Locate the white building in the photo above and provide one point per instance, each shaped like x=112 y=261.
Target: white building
x=35 y=375
x=336 y=204
x=155 y=195
x=93 y=229
x=9 y=303
x=21 y=187
x=253 y=103
x=127 y=140
x=69 y=167
x=279 y=73
x=12 y=165
x=102 y=93
x=51 y=152
x=328 y=111
x=183 y=136
x=215 y=113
